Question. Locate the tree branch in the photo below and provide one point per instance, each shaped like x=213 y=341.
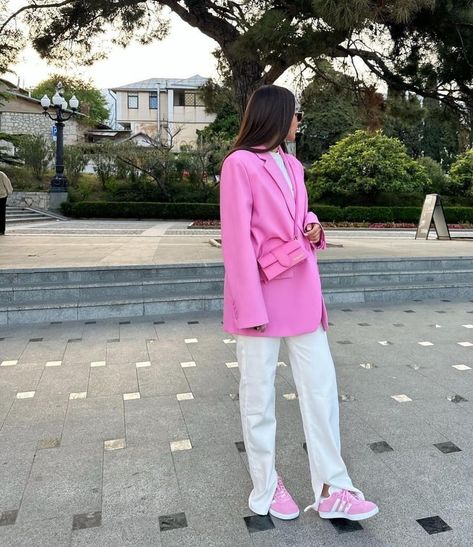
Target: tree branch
x=32 y=7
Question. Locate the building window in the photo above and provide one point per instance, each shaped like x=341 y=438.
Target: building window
x=179 y=98
x=153 y=101
x=188 y=98
x=132 y=102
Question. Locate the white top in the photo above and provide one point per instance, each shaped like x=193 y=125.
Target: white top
x=280 y=163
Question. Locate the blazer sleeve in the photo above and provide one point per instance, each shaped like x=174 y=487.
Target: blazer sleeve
x=309 y=216
x=241 y=266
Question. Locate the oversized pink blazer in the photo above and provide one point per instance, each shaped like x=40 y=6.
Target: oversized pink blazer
x=257 y=212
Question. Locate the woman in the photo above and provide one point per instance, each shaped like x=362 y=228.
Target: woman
x=271 y=293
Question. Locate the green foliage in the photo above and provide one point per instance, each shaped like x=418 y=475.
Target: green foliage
x=91 y=100
x=75 y=161
x=194 y=211
x=366 y=164
x=220 y=100
x=104 y=157
x=438 y=180
x=441 y=132
x=403 y=119
x=37 y=153
x=461 y=174
x=24 y=180
x=331 y=111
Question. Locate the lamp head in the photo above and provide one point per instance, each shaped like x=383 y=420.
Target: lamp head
x=57 y=99
x=74 y=103
x=45 y=102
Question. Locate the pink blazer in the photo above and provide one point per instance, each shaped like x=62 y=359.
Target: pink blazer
x=258 y=212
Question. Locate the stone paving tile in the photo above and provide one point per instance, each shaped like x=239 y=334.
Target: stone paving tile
x=54 y=532
x=16 y=459
x=112 y=379
x=126 y=532
x=155 y=420
x=162 y=379
x=63 y=482
x=139 y=482
x=99 y=418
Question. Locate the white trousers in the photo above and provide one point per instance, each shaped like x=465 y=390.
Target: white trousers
x=314 y=376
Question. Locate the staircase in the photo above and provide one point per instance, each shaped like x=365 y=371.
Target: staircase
x=76 y=294
x=24 y=215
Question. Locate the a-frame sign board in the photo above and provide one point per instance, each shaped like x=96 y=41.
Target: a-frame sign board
x=432 y=211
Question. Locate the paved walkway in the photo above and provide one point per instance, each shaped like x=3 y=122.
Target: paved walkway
x=127 y=432
x=91 y=243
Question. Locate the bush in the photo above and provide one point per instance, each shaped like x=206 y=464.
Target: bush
x=75 y=161
x=23 y=180
x=328 y=213
x=367 y=164
x=438 y=181
x=368 y=214
x=211 y=211
x=461 y=174
x=90 y=209
x=37 y=153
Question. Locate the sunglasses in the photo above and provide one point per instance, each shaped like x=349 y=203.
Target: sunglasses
x=300 y=116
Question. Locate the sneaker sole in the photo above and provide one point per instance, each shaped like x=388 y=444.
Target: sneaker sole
x=341 y=515
x=282 y=516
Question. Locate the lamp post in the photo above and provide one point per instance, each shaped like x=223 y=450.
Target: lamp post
x=59 y=181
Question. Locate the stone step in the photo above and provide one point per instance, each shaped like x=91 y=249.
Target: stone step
x=329 y=269
x=87 y=293
x=103 y=309
x=190 y=286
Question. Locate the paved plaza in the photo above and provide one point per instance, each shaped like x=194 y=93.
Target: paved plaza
x=127 y=432
x=79 y=243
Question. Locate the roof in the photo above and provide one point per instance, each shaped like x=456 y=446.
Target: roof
x=194 y=82
x=37 y=101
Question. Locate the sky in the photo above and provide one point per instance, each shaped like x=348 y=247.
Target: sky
x=185 y=52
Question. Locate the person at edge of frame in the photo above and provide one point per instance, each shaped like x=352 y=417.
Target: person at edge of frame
x=263 y=205
x=5 y=190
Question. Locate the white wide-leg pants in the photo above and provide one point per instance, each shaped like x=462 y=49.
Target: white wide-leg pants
x=314 y=376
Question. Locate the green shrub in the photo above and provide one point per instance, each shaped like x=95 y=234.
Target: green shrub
x=194 y=211
x=438 y=181
x=37 y=153
x=75 y=161
x=460 y=215
x=406 y=214
x=328 y=213
x=461 y=174
x=368 y=214
x=211 y=211
x=366 y=164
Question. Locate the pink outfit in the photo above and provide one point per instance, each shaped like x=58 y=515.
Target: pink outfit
x=257 y=212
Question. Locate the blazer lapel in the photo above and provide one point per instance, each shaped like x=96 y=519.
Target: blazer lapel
x=273 y=169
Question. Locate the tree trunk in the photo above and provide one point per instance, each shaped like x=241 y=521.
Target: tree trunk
x=246 y=76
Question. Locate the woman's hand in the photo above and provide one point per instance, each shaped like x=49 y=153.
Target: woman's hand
x=313 y=232
x=260 y=328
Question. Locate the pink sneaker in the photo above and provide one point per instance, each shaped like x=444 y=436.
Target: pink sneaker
x=283 y=506
x=344 y=504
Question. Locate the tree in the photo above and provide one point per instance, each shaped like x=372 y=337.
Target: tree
x=364 y=165
x=12 y=40
x=404 y=119
x=422 y=46
x=92 y=102
x=461 y=175
x=332 y=110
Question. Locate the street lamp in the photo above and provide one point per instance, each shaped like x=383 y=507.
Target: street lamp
x=59 y=181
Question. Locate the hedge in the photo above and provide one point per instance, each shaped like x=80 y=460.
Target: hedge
x=211 y=211
x=120 y=209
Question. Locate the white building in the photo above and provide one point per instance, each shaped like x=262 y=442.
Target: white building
x=171 y=109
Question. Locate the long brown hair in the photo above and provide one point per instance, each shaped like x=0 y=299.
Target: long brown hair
x=267 y=119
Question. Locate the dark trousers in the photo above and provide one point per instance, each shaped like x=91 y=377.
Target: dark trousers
x=3 y=214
